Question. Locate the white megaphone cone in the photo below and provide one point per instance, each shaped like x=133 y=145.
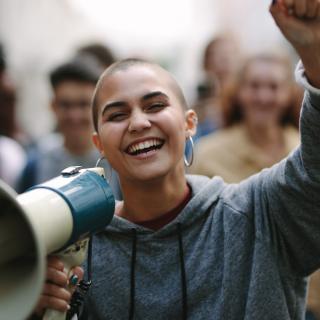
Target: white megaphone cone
x=48 y=218
x=21 y=278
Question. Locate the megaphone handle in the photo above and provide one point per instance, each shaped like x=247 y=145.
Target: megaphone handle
x=72 y=256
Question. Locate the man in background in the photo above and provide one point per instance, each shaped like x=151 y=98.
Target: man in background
x=73 y=84
x=12 y=154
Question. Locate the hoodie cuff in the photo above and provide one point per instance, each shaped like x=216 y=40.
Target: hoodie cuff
x=302 y=79
x=312 y=92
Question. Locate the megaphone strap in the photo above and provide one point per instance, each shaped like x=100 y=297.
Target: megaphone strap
x=82 y=288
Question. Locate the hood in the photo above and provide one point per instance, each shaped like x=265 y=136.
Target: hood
x=205 y=193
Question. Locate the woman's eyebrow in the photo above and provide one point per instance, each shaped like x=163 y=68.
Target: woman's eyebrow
x=117 y=104
x=153 y=95
x=114 y=104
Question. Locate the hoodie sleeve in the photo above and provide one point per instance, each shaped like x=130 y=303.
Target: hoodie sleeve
x=285 y=199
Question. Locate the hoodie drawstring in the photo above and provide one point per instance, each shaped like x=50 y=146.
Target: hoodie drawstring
x=132 y=275
x=183 y=275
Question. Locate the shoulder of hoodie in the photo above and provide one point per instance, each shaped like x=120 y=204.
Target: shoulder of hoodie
x=236 y=196
x=208 y=195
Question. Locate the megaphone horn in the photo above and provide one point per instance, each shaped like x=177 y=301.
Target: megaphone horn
x=46 y=219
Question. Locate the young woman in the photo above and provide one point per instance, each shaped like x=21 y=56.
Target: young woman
x=191 y=247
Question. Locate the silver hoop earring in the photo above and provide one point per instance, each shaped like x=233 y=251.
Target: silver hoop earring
x=188 y=163
x=99 y=160
x=109 y=179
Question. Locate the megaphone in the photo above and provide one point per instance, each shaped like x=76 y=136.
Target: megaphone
x=46 y=219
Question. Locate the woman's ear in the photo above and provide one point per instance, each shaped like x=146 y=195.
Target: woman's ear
x=97 y=142
x=191 y=123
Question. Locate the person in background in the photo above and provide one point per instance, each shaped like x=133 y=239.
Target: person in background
x=220 y=61
x=260 y=118
x=220 y=64
x=73 y=84
x=12 y=161
x=12 y=154
x=8 y=122
x=100 y=52
x=190 y=247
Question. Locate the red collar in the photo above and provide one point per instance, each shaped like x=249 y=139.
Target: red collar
x=164 y=219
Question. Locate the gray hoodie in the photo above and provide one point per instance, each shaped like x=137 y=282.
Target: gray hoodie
x=239 y=251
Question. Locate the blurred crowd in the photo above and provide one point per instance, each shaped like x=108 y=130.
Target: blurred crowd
x=248 y=118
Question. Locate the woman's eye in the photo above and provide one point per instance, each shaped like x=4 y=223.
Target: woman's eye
x=155 y=106
x=116 y=117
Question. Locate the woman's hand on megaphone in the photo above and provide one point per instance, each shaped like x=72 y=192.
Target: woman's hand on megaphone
x=55 y=294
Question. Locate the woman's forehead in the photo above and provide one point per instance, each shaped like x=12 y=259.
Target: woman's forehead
x=137 y=80
x=148 y=72
x=267 y=69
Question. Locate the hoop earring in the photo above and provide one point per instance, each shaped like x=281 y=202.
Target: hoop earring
x=109 y=179
x=187 y=162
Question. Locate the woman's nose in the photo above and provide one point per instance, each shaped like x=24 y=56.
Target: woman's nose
x=265 y=95
x=139 y=121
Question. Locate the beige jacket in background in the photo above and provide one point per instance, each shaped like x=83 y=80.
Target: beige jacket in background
x=230 y=154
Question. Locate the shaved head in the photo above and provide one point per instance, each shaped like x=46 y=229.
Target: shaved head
x=124 y=65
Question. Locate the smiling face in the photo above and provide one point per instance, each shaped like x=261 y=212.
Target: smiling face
x=72 y=107
x=141 y=123
x=264 y=94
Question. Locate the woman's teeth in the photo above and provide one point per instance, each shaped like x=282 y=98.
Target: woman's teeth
x=145 y=146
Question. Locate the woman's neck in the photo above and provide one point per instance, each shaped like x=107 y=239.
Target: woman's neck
x=150 y=200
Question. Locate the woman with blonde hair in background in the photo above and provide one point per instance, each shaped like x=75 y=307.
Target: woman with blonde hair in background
x=260 y=116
